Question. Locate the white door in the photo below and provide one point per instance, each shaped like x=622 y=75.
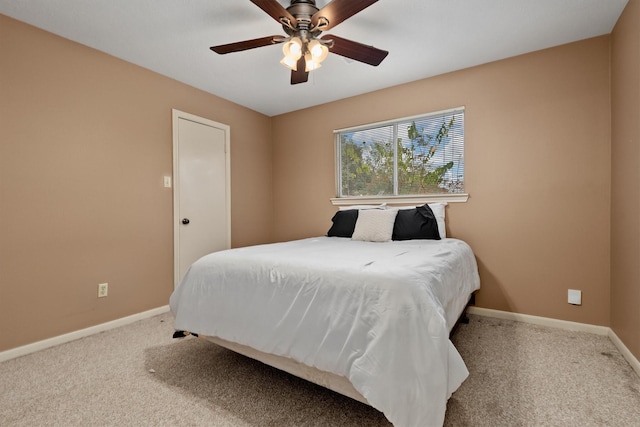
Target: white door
x=201 y=189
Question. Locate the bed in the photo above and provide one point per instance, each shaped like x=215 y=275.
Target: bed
x=369 y=319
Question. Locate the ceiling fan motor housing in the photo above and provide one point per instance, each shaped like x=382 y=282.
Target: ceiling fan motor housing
x=302 y=10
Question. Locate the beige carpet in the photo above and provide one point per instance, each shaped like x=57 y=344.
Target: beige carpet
x=521 y=375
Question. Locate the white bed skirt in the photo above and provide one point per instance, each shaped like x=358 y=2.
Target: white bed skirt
x=329 y=380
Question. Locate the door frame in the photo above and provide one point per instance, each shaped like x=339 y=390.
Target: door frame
x=176 y=116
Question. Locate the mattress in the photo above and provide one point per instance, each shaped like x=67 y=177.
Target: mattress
x=378 y=314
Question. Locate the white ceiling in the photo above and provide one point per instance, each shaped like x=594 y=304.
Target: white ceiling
x=424 y=38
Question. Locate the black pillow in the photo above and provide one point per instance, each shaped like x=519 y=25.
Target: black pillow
x=344 y=222
x=416 y=223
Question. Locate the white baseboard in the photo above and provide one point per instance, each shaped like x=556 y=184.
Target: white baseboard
x=635 y=364
x=562 y=324
x=72 y=336
x=542 y=321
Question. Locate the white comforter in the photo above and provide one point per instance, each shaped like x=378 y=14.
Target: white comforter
x=376 y=313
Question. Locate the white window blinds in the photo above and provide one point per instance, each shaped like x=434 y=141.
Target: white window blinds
x=418 y=155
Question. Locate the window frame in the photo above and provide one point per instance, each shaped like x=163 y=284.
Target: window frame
x=392 y=199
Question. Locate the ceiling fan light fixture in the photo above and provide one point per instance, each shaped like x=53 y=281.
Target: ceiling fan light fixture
x=293 y=48
x=290 y=63
x=311 y=63
x=318 y=50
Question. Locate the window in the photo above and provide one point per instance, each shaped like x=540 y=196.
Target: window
x=422 y=155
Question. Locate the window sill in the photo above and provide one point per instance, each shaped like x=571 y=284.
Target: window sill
x=400 y=200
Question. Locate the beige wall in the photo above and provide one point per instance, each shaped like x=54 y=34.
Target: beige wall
x=537 y=170
x=625 y=182
x=85 y=141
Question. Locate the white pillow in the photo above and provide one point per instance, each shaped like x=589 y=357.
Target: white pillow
x=438 y=212
x=375 y=225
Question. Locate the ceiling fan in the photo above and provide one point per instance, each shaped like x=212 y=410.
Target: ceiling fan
x=304 y=48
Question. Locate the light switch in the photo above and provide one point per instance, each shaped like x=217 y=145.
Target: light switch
x=167 y=182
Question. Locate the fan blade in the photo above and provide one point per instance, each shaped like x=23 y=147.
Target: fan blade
x=339 y=10
x=300 y=75
x=245 y=45
x=277 y=12
x=354 y=50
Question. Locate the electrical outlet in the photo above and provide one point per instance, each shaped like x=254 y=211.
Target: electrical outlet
x=103 y=289
x=575 y=297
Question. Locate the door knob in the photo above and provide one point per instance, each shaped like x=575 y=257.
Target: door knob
x=185 y=221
